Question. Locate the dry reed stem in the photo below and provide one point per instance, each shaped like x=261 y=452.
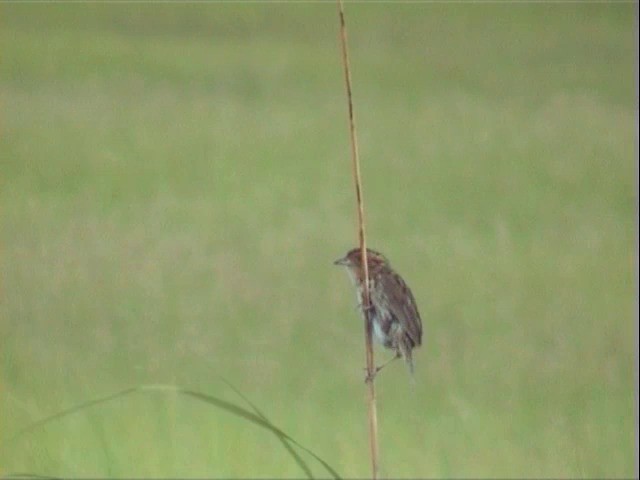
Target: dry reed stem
x=372 y=410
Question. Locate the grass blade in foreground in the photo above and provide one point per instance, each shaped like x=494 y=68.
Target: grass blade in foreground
x=257 y=419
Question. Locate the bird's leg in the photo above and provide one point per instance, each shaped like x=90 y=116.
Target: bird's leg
x=369 y=378
x=395 y=357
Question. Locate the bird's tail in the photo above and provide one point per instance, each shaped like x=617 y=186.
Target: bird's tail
x=408 y=358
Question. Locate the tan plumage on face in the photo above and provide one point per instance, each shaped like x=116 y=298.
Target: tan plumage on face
x=353 y=259
x=393 y=311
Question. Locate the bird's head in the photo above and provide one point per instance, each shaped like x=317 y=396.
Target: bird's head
x=353 y=259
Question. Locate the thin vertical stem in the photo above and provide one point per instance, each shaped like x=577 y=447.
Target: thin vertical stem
x=372 y=410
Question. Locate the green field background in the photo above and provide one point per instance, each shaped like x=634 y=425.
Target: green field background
x=176 y=184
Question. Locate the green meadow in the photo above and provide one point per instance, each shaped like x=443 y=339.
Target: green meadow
x=176 y=182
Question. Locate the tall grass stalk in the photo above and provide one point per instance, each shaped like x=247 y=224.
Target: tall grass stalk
x=355 y=162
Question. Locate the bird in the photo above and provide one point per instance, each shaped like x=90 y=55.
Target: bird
x=394 y=316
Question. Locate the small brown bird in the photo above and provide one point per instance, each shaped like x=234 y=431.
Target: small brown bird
x=393 y=310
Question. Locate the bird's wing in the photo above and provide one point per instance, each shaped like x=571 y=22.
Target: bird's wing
x=403 y=306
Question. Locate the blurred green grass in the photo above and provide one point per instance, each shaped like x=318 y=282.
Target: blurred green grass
x=176 y=183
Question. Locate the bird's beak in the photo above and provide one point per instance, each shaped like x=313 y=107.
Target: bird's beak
x=341 y=261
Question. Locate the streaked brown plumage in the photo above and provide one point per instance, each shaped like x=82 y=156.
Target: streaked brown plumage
x=393 y=311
